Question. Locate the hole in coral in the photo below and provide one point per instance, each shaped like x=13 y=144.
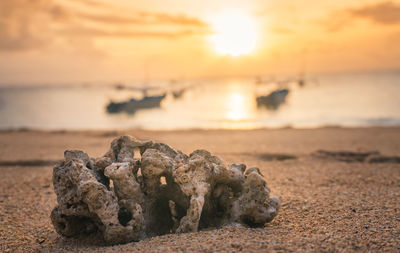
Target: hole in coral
x=163 y=180
x=61 y=225
x=89 y=166
x=136 y=153
x=139 y=172
x=124 y=216
x=162 y=222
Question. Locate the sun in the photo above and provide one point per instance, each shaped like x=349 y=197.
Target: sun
x=235 y=33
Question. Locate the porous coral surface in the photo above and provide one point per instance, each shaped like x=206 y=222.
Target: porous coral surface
x=160 y=191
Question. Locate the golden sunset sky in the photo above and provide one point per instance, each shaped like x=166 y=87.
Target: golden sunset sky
x=61 y=41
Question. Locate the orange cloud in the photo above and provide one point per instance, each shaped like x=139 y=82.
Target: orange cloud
x=26 y=24
x=95 y=32
x=386 y=13
x=142 y=18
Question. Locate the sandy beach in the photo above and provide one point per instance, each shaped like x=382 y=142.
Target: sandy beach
x=331 y=201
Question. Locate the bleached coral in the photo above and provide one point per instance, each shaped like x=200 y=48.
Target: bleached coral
x=198 y=191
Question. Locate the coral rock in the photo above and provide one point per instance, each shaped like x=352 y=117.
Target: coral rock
x=163 y=191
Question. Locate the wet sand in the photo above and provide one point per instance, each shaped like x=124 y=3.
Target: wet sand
x=331 y=201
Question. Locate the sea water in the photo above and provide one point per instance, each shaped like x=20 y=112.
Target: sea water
x=357 y=99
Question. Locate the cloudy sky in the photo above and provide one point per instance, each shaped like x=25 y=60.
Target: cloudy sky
x=63 y=41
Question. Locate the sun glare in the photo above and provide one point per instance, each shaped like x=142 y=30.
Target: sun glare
x=235 y=34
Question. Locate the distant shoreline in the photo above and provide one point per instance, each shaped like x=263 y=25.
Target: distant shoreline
x=107 y=83
x=60 y=131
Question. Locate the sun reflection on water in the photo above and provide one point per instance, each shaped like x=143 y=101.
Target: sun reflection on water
x=237 y=110
x=239 y=104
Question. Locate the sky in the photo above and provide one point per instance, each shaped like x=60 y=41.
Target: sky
x=65 y=41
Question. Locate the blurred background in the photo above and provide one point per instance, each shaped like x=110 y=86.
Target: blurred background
x=177 y=64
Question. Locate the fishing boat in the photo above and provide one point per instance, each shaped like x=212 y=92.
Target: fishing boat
x=273 y=100
x=132 y=105
x=178 y=93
